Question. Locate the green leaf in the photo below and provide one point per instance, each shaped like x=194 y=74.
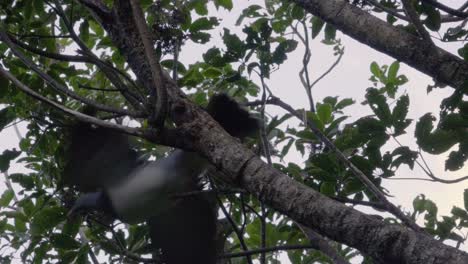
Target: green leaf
x=297 y=12
x=328 y=188
x=317 y=25
x=6 y=197
x=63 y=241
x=200 y=7
x=324 y=113
x=203 y=23
x=465 y=199
x=84 y=31
x=200 y=37
x=400 y=123
x=330 y=32
x=434 y=142
x=463 y=52
x=169 y=64
x=26 y=181
x=376 y=71
x=227 y=4
x=7 y=115
x=344 y=103
x=6 y=157
x=212 y=72
x=393 y=71
x=433 y=20
x=378 y=104
x=46 y=219
x=235 y=47
x=459 y=212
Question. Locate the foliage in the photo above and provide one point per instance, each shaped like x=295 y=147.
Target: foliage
x=33 y=221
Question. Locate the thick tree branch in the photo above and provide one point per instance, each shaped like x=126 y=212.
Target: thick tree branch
x=441 y=65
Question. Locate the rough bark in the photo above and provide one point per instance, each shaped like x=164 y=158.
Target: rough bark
x=385 y=242
x=395 y=42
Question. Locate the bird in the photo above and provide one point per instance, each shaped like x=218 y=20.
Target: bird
x=113 y=178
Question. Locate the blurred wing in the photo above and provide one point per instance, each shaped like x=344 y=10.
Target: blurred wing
x=186 y=233
x=97 y=158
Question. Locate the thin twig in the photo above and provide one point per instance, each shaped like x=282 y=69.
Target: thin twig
x=266 y=250
x=322 y=244
x=330 y=69
x=388 y=10
x=414 y=17
x=446 y=9
x=427 y=170
x=239 y=235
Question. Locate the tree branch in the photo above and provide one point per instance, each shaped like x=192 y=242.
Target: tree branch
x=160 y=94
x=322 y=244
x=414 y=17
x=447 y=9
x=441 y=65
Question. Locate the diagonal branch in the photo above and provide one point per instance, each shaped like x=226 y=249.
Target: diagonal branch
x=414 y=17
x=55 y=56
x=156 y=72
x=447 y=9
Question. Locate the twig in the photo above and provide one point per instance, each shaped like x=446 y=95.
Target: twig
x=322 y=244
x=304 y=72
x=265 y=250
x=87 y=87
x=267 y=153
x=375 y=205
x=55 y=56
x=38 y=36
x=414 y=17
x=390 y=11
x=233 y=224
x=328 y=70
x=446 y=9
x=427 y=170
